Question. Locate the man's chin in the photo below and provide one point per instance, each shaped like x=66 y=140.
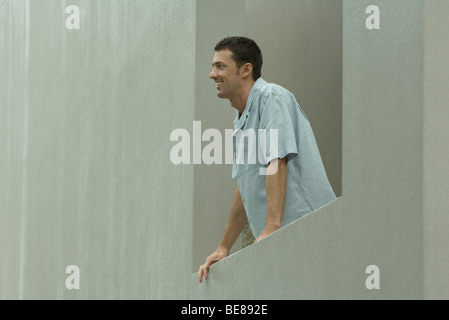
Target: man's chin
x=220 y=94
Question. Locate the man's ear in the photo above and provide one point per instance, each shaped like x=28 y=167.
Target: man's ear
x=247 y=70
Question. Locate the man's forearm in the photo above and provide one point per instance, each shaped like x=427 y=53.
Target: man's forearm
x=236 y=222
x=276 y=188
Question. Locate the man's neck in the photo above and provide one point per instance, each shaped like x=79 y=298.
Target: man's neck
x=239 y=102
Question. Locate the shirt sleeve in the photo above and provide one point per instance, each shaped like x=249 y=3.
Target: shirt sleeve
x=276 y=123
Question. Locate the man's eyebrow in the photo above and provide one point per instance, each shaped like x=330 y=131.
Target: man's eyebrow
x=218 y=62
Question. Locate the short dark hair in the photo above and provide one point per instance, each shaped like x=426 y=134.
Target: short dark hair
x=243 y=50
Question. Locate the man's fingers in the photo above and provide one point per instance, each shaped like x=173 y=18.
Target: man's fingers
x=206 y=268
x=200 y=274
x=203 y=271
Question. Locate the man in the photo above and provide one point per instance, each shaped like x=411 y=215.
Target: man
x=295 y=182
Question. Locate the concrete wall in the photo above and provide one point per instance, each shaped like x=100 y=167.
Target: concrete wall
x=86 y=177
x=436 y=149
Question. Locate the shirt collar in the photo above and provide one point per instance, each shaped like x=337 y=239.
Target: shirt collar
x=240 y=122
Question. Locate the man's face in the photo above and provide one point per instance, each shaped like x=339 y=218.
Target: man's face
x=225 y=74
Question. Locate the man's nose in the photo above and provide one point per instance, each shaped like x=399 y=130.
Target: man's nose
x=212 y=74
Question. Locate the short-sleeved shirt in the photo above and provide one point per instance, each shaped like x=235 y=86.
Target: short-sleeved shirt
x=273 y=118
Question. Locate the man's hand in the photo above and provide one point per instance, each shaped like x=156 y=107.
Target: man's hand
x=219 y=254
x=267 y=231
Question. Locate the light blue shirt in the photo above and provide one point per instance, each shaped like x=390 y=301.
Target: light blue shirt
x=269 y=107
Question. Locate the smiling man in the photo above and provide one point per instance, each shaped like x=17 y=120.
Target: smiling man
x=295 y=182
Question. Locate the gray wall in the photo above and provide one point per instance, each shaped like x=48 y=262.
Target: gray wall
x=436 y=149
x=86 y=177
